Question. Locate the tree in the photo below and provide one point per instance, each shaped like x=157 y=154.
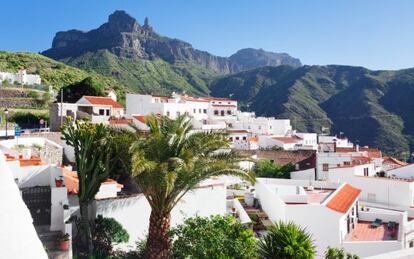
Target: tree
x=214 y=237
x=170 y=161
x=338 y=253
x=92 y=146
x=88 y=86
x=286 y=240
x=266 y=168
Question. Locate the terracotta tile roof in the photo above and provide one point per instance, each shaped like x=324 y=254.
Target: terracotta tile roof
x=103 y=101
x=219 y=99
x=195 y=99
x=253 y=139
x=392 y=160
x=286 y=140
x=120 y=121
x=372 y=152
x=140 y=118
x=361 y=158
x=33 y=160
x=344 y=198
x=72 y=181
x=224 y=105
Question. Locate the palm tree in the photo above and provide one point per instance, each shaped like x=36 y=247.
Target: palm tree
x=286 y=240
x=172 y=160
x=92 y=146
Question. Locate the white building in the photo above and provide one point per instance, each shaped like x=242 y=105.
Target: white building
x=18 y=236
x=20 y=77
x=93 y=108
x=332 y=214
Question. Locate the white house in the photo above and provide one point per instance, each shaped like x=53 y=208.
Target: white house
x=332 y=214
x=93 y=108
x=20 y=77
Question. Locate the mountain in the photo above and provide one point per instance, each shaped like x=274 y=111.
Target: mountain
x=53 y=73
x=371 y=107
x=148 y=62
x=249 y=58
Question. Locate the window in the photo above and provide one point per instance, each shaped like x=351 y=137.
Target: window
x=325 y=167
x=230 y=125
x=101 y=112
x=270 y=127
x=199 y=110
x=260 y=127
x=244 y=138
x=231 y=138
x=219 y=102
x=168 y=113
x=228 y=112
x=216 y=112
x=347 y=163
x=222 y=113
x=237 y=138
x=229 y=103
x=194 y=110
x=205 y=110
x=411 y=244
x=365 y=171
x=107 y=112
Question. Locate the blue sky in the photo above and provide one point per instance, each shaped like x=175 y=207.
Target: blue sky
x=375 y=34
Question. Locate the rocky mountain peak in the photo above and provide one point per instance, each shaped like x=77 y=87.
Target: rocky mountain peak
x=120 y=21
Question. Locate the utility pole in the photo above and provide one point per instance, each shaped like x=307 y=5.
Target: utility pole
x=61 y=107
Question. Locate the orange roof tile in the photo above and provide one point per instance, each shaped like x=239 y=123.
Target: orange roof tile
x=372 y=152
x=120 y=121
x=392 y=160
x=344 y=198
x=72 y=181
x=140 y=118
x=103 y=101
x=33 y=160
x=219 y=99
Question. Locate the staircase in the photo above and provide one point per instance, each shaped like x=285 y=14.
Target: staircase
x=50 y=241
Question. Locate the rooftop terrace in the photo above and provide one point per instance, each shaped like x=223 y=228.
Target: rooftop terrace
x=363 y=231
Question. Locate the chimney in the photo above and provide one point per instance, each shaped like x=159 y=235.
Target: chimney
x=357 y=148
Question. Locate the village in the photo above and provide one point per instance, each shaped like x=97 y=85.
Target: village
x=345 y=195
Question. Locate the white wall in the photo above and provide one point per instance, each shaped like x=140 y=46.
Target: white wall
x=308 y=174
x=18 y=237
x=406 y=172
x=133 y=212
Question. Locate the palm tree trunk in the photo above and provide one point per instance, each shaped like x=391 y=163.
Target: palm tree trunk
x=86 y=228
x=158 y=243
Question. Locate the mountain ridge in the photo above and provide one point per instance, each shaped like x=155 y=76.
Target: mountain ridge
x=371 y=107
x=134 y=46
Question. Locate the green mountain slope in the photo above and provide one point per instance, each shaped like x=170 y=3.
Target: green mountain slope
x=54 y=73
x=146 y=76
x=148 y=62
x=371 y=107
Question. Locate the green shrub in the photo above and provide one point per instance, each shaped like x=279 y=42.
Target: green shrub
x=28 y=119
x=265 y=168
x=108 y=231
x=214 y=237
